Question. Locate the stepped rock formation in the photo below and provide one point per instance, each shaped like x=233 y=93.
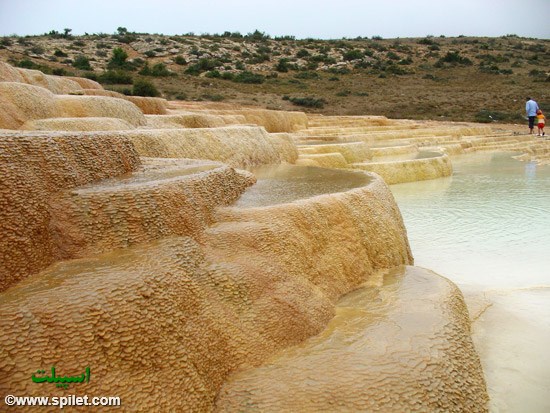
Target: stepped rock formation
x=373 y=328
x=183 y=248
x=33 y=168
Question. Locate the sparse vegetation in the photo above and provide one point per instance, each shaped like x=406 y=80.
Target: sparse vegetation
x=249 y=77
x=119 y=60
x=340 y=76
x=115 y=77
x=143 y=87
x=82 y=63
x=309 y=102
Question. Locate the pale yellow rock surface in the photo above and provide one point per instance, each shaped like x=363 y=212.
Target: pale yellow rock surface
x=420 y=169
x=77 y=124
x=238 y=146
x=33 y=168
x=99 y=106
x=253 y=283
x=399 y=345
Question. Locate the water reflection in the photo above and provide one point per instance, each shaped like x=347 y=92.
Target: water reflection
x=531 y=170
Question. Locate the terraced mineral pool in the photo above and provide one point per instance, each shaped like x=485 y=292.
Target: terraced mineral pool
x=279 y=184
x=487 y=228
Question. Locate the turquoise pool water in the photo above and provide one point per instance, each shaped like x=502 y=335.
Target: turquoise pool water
x=488 y=224
x=487 y=228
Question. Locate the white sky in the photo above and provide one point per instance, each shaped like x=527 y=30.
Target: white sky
x=301 y=18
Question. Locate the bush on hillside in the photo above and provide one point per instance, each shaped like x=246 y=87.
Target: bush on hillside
x=143 y=87
x=82 y=63
x=453 y=58
x=309 y=102
x=119 y=60
x=158 y=70
x=115 y=77
x=249 y=77
x=353 y=54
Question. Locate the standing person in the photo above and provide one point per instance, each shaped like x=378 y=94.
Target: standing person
x=531 y=108
x=540 y=122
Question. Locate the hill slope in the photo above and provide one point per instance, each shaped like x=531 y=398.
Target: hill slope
x=464 y=78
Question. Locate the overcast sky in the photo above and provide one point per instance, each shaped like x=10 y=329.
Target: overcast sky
x=300 y=18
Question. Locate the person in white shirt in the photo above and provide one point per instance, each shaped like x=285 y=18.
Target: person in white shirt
x=531 y=108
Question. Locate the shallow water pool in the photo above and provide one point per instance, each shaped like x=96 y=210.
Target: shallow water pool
x=278 y=184
x=487 y=228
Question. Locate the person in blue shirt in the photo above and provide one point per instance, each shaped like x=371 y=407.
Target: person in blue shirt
x=531 y=108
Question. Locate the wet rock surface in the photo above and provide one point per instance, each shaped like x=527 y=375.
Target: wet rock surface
x=401 y=345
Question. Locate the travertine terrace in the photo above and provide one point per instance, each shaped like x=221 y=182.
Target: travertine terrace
x=123 y=249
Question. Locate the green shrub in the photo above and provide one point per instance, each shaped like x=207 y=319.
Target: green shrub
x=537 y=74
x=454 y=58
x=143 y=87
x=302 y=53
x=258 y=58
x=494 y=69
x=37 y=49
x=309 y=102
x=537 y=48
x=59 y=71
x=115 y=77
x=119 y=60
x=392 y=56
x=227 y=76
x=180 y=60
x=353 y=54
x=91 y=76
x=427 y=41
x=249 y=77
x=307 y=75
x=339 y=70
x=283 y=65
x=213 y=74
x=160 y=70
x=203 y=65
x=82 y=63
x=193 y=70
x=258 y=35
x=27 y=64
x=23 y=42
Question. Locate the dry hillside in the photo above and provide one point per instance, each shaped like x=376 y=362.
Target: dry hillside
x=463 y=78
